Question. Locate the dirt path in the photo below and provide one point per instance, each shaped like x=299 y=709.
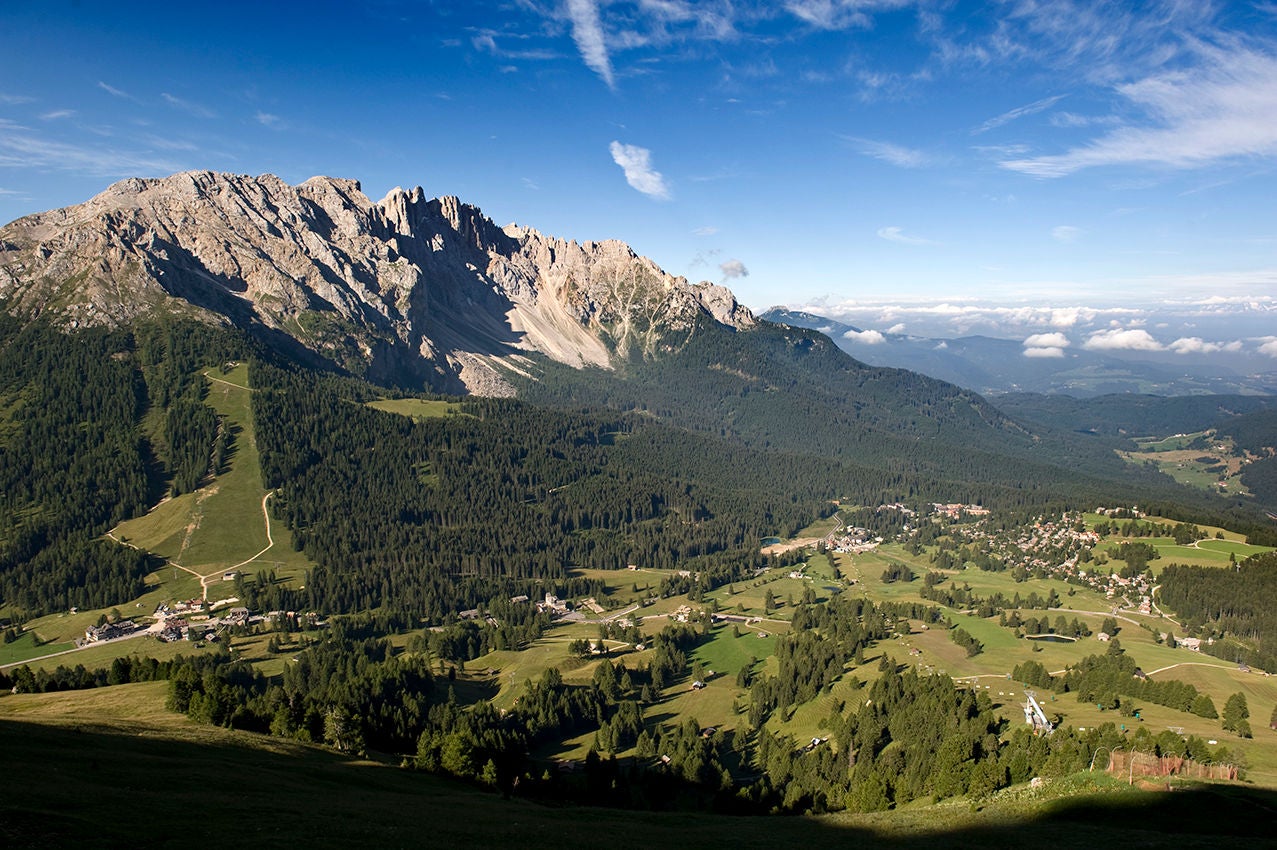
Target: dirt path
x=1112 y=614
x=206 y=580
x=1189 y=664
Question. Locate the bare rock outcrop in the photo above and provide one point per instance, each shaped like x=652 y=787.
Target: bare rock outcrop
x=410 y=288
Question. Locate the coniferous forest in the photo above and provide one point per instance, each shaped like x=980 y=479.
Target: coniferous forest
x=409 y=522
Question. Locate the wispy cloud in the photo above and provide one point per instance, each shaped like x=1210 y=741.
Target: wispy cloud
x=897 y=234
x=114 y=92
x=707 y=230
x=1068 y=120
x=841 y=14
x=894 y=154
x=55 y=114
x=268 y=119
x=21 y=148
x=587 y=32
x=1065 y=233
x=1221 y=109
x=636 y=162
x=14 y=99
x=198 y=110
x=733 y=269
x=1019 y=112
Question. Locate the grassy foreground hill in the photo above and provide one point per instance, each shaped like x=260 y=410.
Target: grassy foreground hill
x=108 y=768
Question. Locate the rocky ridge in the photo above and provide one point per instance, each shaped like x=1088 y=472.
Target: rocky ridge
x=410 y=289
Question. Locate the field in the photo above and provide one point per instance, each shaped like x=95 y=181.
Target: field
x=224 y=525
x=416 y=408
x=1215 y=467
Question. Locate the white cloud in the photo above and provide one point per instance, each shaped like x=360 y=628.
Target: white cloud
x=55 y=114
x=1196 y=345
x=1051 y=340
x=733 y=269
x=865 y=337
x=1115 y=339
x=897 y=155
x=267 y=119
x=1065 y=233
x=1268 y=346
x=897 y=328
x=1019 y=112
x=636 y=162
x=1052 y=352
x=707 y=230
x=897 y=234
x=587 y=32
x=1067 y=317
x=1220 y=109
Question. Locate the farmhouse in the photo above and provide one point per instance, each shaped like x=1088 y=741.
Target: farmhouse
x=109 y=631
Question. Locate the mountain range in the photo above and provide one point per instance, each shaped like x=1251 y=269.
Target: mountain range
x=428 y=294
x=412 y=290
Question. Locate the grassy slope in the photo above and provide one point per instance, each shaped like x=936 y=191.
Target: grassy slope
x=218 y=526
x=221 y=525
x=109 y=768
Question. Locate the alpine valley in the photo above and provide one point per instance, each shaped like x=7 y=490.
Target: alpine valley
x=377 y=515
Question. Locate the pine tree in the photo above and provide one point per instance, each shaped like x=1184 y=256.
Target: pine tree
x=1235 y=711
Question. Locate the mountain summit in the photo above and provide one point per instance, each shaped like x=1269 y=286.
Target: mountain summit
x=409 y=289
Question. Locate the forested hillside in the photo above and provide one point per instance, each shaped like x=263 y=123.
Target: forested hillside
x=775 y=387
x=1129 y=415
x=94 y=427
x=1229 y=604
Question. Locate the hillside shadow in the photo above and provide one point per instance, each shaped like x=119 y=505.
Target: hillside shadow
x=98 y=785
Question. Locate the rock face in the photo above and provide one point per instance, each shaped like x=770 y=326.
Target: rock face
x=410 y=289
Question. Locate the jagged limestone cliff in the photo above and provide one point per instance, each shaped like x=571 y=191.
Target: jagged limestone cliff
x=408 y=289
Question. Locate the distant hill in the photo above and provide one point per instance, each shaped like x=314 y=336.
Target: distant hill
x=992 y=366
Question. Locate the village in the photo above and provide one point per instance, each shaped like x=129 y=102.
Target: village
x=1061 y=548
x=193 y=620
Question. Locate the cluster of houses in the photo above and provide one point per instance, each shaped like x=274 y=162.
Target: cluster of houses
x=958 y=511
x=1056 y=546
x=852 y=540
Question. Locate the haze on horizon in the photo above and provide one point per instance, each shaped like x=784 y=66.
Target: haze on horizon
x=981 y=164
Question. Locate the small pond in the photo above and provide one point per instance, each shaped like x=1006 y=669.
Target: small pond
x=1052 y=638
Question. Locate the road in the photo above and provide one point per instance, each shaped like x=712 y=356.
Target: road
x=139 y=633
x=205 y=581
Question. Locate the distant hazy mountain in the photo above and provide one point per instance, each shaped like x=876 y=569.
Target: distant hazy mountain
x=993 y=366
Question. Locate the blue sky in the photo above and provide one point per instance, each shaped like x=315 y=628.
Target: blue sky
x=827 y=153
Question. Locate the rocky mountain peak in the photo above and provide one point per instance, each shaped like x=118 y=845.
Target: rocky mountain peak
x=411 y=289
